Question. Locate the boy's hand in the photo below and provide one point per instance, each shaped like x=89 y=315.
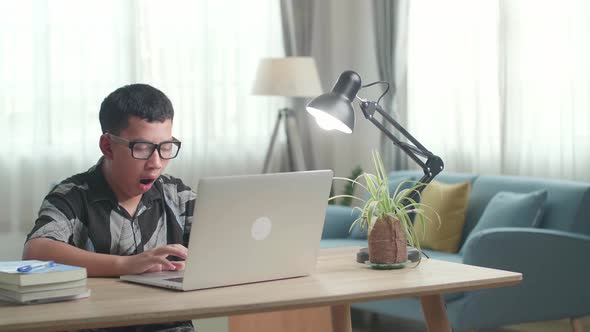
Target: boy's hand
x=154 y=260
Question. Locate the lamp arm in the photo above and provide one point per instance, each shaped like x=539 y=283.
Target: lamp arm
x=433 y=164
x=411 y=151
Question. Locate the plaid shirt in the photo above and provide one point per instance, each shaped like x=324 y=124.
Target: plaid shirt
x=84 y=212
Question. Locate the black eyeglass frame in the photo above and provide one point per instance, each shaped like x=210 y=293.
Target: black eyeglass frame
x=155 y=146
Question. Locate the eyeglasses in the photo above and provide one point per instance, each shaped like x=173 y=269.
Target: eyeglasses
x=144 y=150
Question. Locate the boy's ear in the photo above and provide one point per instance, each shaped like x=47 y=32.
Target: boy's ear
x=106 y=146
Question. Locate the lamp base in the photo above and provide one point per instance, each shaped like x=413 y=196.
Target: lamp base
x=378 y=266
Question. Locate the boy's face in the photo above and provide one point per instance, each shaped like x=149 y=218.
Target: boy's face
x=133 y=177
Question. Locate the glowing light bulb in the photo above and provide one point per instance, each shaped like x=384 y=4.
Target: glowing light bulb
x=328 y=122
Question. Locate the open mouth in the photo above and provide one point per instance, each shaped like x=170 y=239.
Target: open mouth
x=147 y=181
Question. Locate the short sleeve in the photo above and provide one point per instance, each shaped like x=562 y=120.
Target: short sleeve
x=58 y=219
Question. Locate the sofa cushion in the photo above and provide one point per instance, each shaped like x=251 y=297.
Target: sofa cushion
x=338 y=221
x=449 y=201
x=509 y=209
x=356 y=232
x=566 y=207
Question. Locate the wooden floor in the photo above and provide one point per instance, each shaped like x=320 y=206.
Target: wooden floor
x=363 y=322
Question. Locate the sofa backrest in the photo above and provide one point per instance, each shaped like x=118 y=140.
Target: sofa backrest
x=567 y=207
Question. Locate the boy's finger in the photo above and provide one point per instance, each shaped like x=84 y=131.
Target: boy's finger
x=155 y=268
x=178 y=245
x=182 y=248
x=166 y=264
x=175 y=248
x=167 y=250
x=179 y=265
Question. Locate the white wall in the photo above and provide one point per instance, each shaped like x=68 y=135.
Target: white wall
x=11 y=245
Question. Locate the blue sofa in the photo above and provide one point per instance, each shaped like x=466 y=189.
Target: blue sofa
x=553 y=257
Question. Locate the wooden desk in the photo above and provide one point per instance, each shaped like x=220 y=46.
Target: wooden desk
x=338 y=281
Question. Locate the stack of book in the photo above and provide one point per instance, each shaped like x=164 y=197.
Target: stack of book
x=31 y=281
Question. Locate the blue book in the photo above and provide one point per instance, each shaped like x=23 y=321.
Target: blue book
x=38 y=273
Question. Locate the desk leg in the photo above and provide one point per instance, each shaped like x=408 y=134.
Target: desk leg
x=341 y=318
x=577 y=325
x=435 y=313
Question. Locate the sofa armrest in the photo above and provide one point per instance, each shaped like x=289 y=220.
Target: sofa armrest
x=555 y=275
x=338 y=221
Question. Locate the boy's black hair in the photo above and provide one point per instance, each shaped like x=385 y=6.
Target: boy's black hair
x=141 y=100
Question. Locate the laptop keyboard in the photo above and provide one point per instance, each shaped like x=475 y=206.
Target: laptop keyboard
x=176 y=279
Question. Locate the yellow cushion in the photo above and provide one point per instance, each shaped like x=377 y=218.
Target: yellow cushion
x=450 y=202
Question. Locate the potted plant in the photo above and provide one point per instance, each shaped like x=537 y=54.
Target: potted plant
x=388 y=216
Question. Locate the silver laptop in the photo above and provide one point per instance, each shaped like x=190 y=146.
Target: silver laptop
x=251 y=228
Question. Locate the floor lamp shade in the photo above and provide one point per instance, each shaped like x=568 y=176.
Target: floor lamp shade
x=287 y=77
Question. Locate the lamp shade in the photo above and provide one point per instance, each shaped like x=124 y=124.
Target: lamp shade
x=290 y=77
x=334 y=110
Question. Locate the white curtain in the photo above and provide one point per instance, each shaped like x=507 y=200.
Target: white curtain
x=59 y=59
x=502 y=86
x=453 y=104
x=547 y=88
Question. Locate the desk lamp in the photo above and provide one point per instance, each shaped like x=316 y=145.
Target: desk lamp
x=334 y=110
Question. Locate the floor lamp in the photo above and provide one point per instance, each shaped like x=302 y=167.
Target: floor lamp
x=287 y=77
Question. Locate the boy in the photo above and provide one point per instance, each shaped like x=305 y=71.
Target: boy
x=122 y=216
